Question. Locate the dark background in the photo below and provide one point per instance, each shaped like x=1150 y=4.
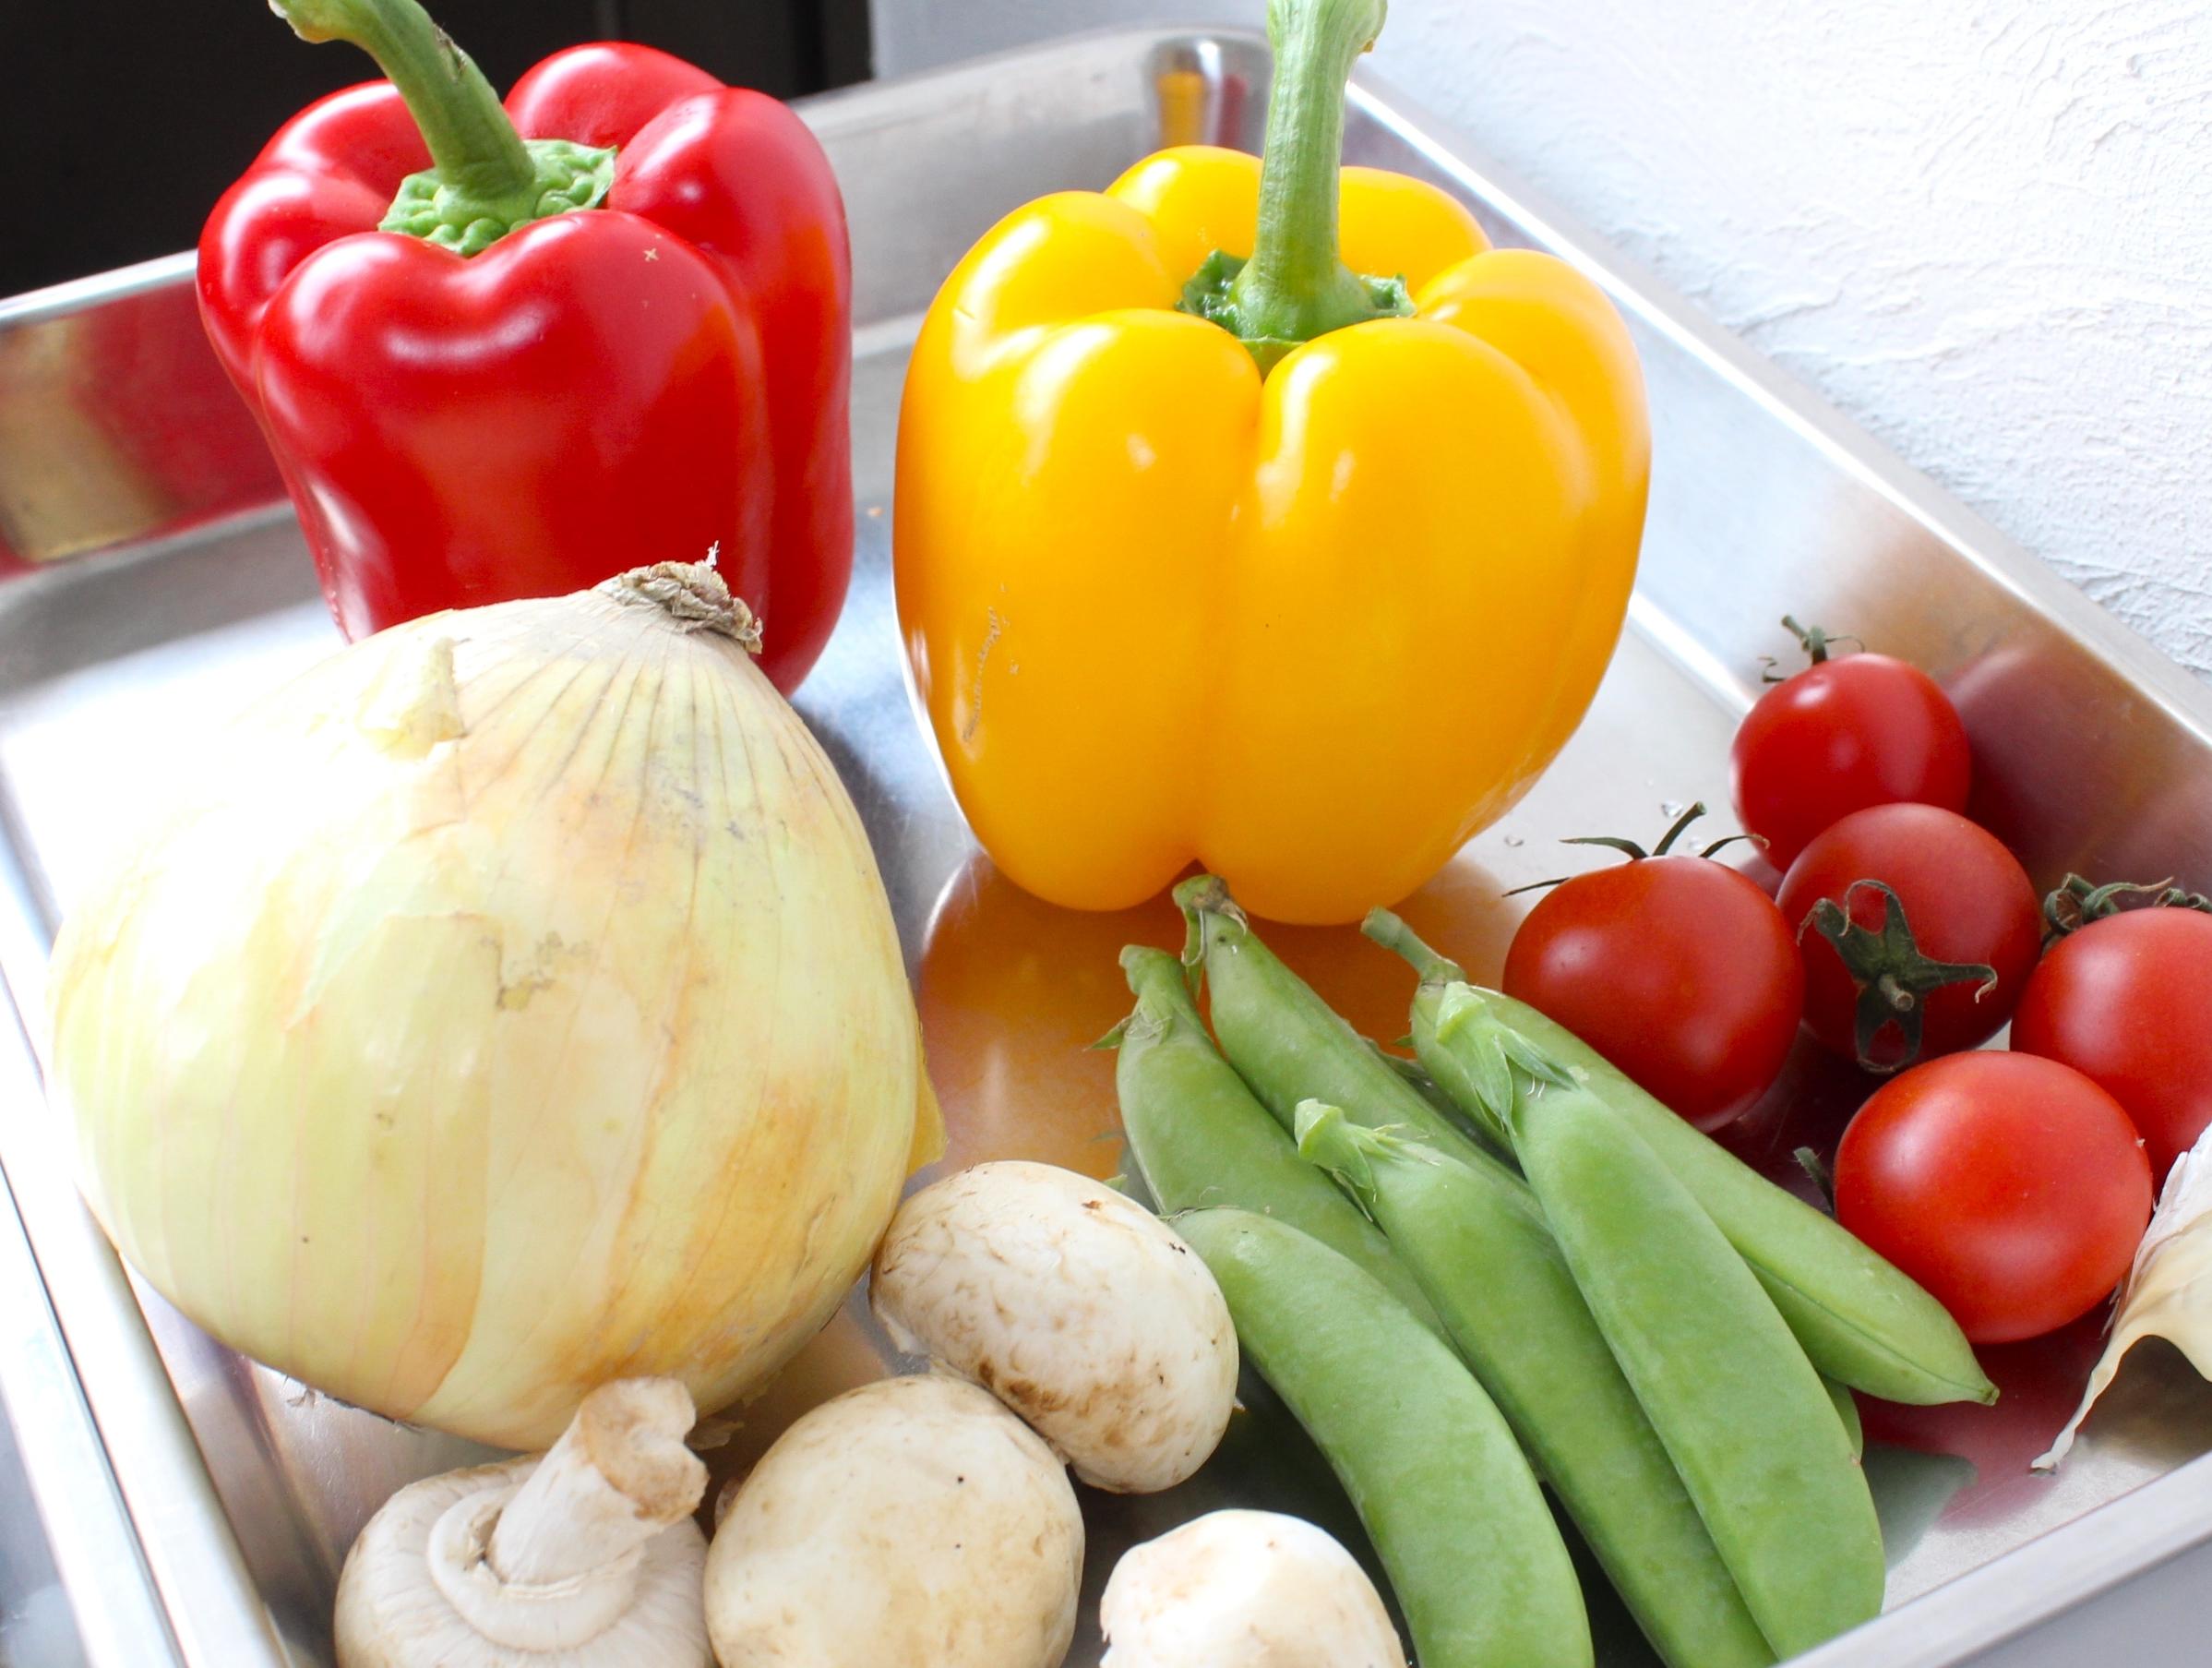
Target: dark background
x=123 y=122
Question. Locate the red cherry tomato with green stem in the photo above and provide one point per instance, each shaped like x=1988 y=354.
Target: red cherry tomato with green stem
x=2012 y=1187
x=1918 y=931
x=2126 y=1000
x=1841 y=734
x=1678 y=969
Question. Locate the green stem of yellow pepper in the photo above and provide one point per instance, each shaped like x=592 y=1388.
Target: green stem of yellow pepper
x=1295 y=286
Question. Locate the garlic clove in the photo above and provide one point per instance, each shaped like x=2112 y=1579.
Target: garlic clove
x=2168 y=1292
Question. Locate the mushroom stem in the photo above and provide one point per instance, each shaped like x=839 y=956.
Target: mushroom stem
x=553 y=1562
x=619 y=1473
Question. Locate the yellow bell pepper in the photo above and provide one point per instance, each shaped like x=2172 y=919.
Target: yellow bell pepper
x=1301 y=574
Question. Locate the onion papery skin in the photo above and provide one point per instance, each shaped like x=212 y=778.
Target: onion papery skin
x=483 y=1026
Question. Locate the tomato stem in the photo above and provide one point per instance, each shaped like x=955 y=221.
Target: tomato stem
x=1674 y=831
x=1893 y=976
x=1815 y=642
x=1819 y=1174
x=2074 y=903
x=1634 y=852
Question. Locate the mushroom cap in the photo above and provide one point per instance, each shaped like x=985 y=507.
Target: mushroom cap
x=1245 y=1589
x=912 y=1521
x=1076 y=1306
x=393 y=1614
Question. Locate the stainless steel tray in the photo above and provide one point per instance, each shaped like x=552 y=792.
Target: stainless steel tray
x=152 y=578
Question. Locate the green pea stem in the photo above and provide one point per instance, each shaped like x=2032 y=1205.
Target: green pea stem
x=1391 y=931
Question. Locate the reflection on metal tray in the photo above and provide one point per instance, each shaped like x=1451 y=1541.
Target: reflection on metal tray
x=153 y=582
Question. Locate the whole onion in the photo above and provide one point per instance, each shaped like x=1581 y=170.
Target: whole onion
x=511 y=1005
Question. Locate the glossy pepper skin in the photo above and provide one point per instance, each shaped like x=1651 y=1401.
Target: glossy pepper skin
x=649 y=378
x=1312 y=628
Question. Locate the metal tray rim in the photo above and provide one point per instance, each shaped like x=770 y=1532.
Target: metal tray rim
x=2012 y=1592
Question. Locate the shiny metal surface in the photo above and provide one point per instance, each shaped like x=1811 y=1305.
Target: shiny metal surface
x=116 y=422
x=38 y=1392
x=2094 y=754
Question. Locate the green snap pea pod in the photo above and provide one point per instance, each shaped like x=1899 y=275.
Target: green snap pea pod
x=1847 y=1410
x=1448 y=1501
x=1862 y=1320
x=1284 y=1041
x=1482 y=1252
x=1417 y=1078
x=1744 y=1416
x=1200 y=1138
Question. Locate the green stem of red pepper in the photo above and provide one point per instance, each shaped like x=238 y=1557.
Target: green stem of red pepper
x=485 y=178
x=1296 y=286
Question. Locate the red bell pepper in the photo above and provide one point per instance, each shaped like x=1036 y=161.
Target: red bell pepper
x=504 y=352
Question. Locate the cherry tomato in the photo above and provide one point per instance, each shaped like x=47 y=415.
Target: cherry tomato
x=1966 y=902
x=2124 y=1001
x=2012 y=1187
x=1677 y=969
x=1840 y=736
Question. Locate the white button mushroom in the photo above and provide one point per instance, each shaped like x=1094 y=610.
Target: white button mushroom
x=585 y=1557
x=1245 y=1589
x=1077 y=1308
x=912 y=1521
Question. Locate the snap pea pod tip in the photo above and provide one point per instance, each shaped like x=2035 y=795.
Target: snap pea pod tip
x=1199 y=1139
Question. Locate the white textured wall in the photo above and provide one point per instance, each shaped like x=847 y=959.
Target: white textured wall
x=1982 y=227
